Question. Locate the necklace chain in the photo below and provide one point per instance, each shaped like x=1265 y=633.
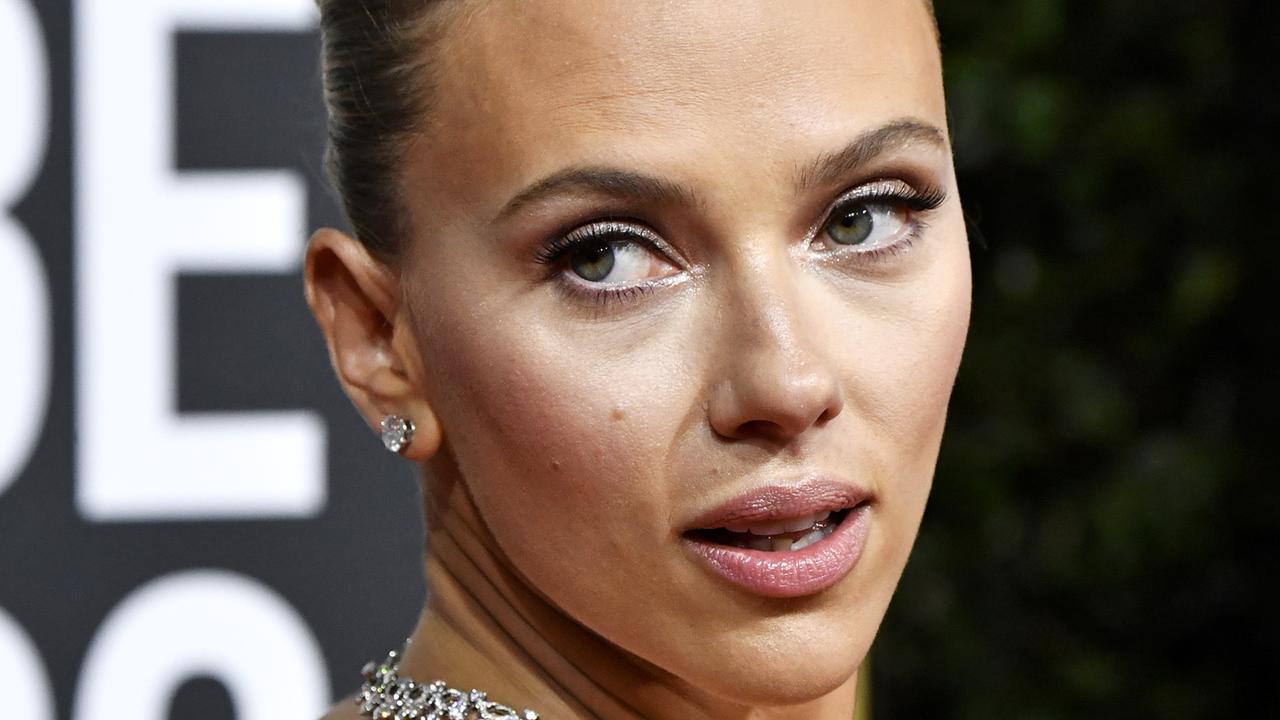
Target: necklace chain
x=387 y=696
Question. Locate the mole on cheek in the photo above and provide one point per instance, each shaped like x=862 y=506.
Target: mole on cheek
x=617 y=414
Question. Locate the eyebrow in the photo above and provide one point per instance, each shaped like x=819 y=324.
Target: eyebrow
x=831 y=168
x=825 y=170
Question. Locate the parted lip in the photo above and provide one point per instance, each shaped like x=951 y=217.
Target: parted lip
x=782 y=501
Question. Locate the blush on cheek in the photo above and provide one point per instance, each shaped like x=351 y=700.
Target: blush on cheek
x=520 y=424
x=937 y=361
x=525 y=427
x=902 y=385
x=548 y=464
x=932 y=331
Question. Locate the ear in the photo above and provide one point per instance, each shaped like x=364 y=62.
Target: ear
x=356 y=301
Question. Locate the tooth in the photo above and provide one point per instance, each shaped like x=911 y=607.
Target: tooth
x=739 y=528
x=782 y=545
x=808 y=540
x=822 y=516
x=776 y=527
x=800 y=523
x=760 y=543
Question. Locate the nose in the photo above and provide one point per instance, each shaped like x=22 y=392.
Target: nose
x=777 y=379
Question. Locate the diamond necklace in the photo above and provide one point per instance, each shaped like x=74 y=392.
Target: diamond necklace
x=387 y=696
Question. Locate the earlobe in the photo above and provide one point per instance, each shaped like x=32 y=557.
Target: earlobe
x=354 y=298
x=416 y=437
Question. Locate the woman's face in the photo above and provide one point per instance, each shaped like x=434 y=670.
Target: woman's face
x=666 y=254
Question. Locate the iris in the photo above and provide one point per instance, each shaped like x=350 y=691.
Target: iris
x=851 y=227
x=593 y=262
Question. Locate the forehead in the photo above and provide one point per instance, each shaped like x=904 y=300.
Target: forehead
x=526 y=87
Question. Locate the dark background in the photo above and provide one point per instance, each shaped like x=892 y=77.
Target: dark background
x=242 y=101
x=1100 y=541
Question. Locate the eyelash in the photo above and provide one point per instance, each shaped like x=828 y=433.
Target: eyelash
x=612 y=228
x=560 y=246
x=890 y=192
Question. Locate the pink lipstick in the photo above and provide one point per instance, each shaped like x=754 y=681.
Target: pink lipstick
x=785 y=540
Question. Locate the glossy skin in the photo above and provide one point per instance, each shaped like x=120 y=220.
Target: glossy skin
x=568 y=439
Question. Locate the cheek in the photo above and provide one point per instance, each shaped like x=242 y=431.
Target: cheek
x=557 y=434
x=912 y=356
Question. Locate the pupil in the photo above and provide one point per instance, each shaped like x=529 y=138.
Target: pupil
x=594 y=263
x=851 y=228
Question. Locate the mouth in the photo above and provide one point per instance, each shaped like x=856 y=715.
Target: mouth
x=783 y=535
x=784 y=541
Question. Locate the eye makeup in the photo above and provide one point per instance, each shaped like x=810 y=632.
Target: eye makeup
x=851 y=222
x=867 y=224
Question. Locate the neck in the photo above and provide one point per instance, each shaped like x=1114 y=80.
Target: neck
x=483 y=626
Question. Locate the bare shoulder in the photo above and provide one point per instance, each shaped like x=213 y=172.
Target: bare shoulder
x=345 y=710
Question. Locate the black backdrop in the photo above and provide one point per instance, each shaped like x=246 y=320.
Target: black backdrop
x=244 y=96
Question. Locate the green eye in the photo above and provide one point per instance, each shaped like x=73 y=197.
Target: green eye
x=852 y=226
x=593 y=262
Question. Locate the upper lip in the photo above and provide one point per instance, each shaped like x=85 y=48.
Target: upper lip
x=777 y=502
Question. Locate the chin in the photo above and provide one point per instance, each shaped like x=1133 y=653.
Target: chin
x=788 y=665
x=802 y=680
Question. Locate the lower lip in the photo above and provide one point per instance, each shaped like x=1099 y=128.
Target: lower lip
x=796 y=573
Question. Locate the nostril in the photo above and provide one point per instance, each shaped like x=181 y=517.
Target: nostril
x=774 y=411
x=828 y=413
x=760 y=428
x=774 y=392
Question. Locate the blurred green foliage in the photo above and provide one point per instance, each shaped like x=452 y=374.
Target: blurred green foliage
x=1100 y=539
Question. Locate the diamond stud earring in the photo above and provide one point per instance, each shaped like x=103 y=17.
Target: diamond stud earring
x=397 y=432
